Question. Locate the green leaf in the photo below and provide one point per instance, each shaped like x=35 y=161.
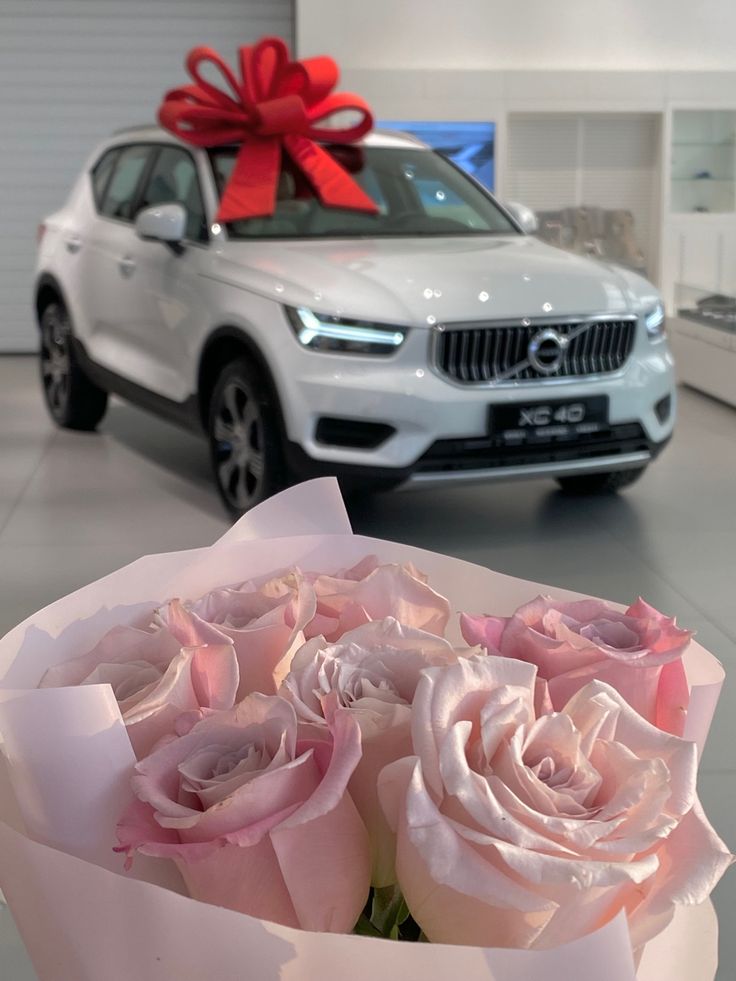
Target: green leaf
x=364 y=927
x=403 y=914
x=387 y=903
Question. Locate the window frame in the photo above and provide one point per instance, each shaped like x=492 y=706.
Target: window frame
x=121 y=148
x=154 y=149
x=114 y=152
x=146 y=177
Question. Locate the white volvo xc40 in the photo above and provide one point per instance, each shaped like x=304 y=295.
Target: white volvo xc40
x=434 y=341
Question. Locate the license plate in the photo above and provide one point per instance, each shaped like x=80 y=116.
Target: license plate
x=524 y=422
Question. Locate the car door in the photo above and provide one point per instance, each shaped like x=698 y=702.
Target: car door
x=109 y=280
x=170 y=295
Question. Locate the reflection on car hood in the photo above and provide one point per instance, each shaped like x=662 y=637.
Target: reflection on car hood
x=423 y=281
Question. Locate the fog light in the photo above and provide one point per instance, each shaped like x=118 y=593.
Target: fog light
x=357 y=434
x=663 y=408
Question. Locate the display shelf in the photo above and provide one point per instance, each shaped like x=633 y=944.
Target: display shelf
x=703 y=335
x=709 y=308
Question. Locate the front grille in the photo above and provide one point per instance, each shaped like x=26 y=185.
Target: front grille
x=488 y=353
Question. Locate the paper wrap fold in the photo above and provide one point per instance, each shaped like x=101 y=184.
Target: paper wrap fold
x=65 y=782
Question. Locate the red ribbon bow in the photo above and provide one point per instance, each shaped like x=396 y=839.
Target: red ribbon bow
x=278 y=104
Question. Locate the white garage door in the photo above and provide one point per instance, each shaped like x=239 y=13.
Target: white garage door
x=594 y=179
x=71 y=71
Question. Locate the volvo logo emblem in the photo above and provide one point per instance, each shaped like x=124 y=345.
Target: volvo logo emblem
x=547 y=350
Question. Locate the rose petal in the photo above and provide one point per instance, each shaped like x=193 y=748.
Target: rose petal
x=119 y=646
x=436 y=706
x=486 y=631
x=379 y=749
x=388 y=591
x=691 y=862
x=247 y=880
x=326 y=842
x=455 y=894
x=194 y=679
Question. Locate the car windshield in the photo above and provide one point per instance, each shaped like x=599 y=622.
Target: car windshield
x=417 y=193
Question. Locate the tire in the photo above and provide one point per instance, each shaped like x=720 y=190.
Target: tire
x=245 y=439
x=73 y=401
x=600 y=483
x=356 y=489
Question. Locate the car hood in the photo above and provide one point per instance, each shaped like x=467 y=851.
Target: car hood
x=423 y=281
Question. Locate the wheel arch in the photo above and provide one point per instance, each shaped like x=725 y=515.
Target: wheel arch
x=47 y=289
x=224 y=345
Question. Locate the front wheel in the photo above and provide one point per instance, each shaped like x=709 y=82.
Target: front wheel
x=73 y=401
x=600 y=483
x=245 y=440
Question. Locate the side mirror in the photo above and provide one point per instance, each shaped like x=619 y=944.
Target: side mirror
x=163 y=223
x=524 y=216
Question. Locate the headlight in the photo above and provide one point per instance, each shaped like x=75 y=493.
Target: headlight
x=654 y=321
x=318 y=332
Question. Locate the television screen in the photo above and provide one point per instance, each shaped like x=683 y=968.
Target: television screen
x=469 y=145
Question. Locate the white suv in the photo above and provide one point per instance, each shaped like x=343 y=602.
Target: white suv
x=434 y=341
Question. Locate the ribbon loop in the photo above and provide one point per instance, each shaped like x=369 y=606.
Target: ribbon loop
x=276 y=105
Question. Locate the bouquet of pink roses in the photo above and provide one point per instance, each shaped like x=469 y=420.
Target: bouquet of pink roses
x=316 y=743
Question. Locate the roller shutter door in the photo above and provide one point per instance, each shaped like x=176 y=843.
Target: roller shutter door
x=588 y=173
x=71 y=72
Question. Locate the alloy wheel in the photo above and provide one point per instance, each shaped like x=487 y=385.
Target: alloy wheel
x=55 y=362
x=238 y=443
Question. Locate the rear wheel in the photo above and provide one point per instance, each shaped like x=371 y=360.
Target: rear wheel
x=600 y=483
x=245 y=439
x=73 y=401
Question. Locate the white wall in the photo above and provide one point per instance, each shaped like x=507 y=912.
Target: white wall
x=483 y=59
x=659 y=35
x=491 y=59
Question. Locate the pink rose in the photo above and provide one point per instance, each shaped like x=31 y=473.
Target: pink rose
x=256 y=818
x=264 y=618
x=372 y=671
x=370 y=591
x=639 y=652
x=521 y=831
x=157 y=675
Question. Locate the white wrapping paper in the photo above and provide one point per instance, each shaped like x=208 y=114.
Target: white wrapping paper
x=65 y=783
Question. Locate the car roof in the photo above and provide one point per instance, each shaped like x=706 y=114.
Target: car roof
x=147 y=133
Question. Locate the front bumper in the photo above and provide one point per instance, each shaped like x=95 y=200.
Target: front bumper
x=438 y=430
x=475 y=461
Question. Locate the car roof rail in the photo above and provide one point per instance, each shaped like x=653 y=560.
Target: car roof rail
x=134 y=129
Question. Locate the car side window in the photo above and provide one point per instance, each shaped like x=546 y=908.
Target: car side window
x=173 y=178
x=121 y=188
x=101 y=174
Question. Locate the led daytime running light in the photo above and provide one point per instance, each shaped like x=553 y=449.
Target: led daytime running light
x=655 y=321
x=314 y=328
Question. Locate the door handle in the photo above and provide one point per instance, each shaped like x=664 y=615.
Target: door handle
x=73 y=243
x=127 y=265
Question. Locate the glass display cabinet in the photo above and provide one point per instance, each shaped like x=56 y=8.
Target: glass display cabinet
x=703 y=177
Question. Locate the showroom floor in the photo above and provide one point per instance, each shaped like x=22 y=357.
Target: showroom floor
x=76 y=506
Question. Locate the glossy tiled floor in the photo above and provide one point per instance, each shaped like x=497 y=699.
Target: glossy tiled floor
x=75 y=506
